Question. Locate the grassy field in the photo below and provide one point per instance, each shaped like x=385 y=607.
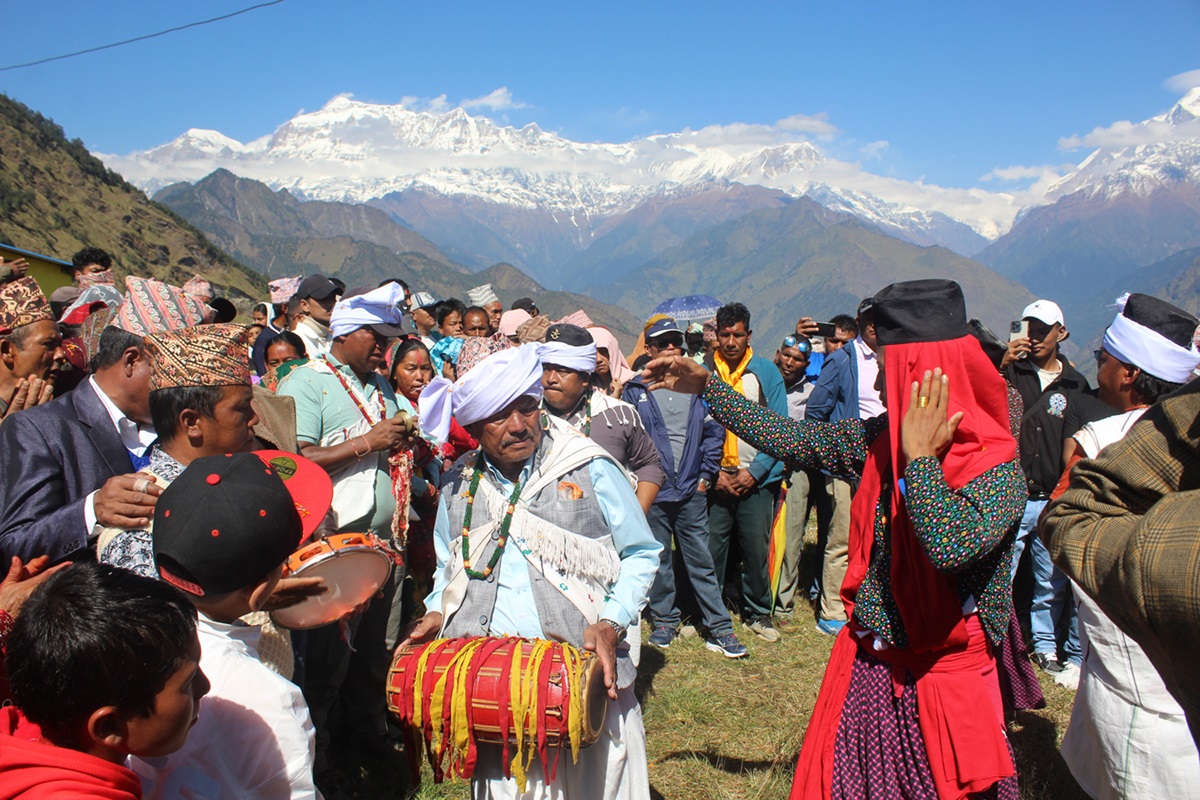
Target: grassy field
x=717 y=728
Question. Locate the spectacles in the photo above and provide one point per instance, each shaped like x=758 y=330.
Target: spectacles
x=803 y=345
x=663 y=342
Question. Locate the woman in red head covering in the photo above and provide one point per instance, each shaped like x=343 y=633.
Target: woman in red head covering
x=910 y=705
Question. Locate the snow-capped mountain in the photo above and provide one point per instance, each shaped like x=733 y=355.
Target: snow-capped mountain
x=1162 y=151
x=351 y=151
x=539 y=197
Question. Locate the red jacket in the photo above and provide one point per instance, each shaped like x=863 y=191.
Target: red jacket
x=31 y=769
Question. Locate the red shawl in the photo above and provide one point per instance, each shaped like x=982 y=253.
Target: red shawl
x=967 y=752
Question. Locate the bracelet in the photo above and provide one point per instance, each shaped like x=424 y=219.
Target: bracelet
x=355 y=449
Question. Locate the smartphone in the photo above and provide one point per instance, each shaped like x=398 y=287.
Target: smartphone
x=827 y=330
x=1018 y=329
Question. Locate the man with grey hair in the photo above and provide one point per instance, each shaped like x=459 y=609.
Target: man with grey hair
x=538 y=484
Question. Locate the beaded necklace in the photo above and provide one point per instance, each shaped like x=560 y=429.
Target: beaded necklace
x=504 y=525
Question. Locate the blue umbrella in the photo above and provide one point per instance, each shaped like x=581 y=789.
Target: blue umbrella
x=690 y=306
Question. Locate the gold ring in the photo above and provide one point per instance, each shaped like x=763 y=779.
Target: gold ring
x=922 y=402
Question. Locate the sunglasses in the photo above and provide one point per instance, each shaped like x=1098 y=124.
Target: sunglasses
x=663 y=342
x=803 y=345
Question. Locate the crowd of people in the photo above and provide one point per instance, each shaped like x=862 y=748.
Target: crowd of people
x=170 y=473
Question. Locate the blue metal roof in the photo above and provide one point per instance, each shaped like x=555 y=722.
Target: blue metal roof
x=21 y=252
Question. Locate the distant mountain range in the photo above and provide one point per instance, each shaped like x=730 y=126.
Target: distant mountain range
x=785 y=258
x=487 y=192
x=280 y=236
x=449 y=200
x=1115 y=222
x=56 y=198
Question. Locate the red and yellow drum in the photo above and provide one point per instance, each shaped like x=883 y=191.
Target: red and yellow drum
x=525 y=694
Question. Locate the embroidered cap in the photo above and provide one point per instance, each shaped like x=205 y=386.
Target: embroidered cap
x=198 y=287
x=227 y=521
x=152 y=306
x=22 y=303
x=283 y=289
x=92 y=328
x=206 y=355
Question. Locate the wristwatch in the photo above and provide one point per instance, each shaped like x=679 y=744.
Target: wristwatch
x=619 y=628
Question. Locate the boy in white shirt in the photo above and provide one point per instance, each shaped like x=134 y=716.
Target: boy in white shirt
x=222 y=531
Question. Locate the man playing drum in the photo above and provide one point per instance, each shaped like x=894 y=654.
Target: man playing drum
x=578 y=568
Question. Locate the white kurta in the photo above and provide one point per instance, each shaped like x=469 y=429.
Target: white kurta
x=1128 y=737
x=614 y=768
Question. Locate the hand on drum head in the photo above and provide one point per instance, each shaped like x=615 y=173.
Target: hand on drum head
x=601 y=639
x=421 y=630
x=290 y=591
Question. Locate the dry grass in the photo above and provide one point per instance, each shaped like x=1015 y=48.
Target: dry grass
x=718 y=728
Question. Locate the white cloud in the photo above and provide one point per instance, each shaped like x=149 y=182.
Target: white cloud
x=874 y=150
x=1131 y=134
x=1017 y=173
x=1183 y=82
x=498 y=100
x=817 y=125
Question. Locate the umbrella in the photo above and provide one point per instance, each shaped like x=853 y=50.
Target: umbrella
x=690 y=306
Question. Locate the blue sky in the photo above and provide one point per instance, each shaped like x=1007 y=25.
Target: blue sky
x=954 y=89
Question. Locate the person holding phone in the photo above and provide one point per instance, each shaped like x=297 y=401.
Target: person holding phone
x=1049 y=386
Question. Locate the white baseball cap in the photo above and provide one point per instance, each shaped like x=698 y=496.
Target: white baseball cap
x=1046 y=311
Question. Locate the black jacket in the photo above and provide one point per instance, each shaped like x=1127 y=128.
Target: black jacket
x=1043 y=427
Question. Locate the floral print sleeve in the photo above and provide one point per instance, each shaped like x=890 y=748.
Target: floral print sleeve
x=839 y=448
x=956 y=529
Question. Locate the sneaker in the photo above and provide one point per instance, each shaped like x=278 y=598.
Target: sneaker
x=763 y=628
x=831 y=627
x=1068 y=677
x=728 y=646
x=1047 y=662
x=663 y=636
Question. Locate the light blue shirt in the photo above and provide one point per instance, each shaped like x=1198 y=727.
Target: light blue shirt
x=516 y=612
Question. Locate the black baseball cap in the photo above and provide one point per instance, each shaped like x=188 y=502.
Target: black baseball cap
x=566 y=333
x=318 y=287
x=224 y=524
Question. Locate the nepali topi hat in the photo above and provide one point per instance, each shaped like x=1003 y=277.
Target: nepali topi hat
x=205 y=355
x=22 y=303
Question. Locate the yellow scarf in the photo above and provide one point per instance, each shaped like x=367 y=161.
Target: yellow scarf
x=734 y=378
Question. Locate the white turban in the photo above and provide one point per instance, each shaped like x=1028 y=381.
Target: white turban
x=377 y=307
x=1133 y=343
x=495 y=382
x=581 y=358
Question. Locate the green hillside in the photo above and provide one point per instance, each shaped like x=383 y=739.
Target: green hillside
x=55 y=198
x=803 y=259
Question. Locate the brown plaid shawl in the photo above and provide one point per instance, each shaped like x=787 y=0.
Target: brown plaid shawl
x=1128 y=531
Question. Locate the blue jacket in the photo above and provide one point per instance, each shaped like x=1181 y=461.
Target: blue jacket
x=835 y=397
x=701 y=450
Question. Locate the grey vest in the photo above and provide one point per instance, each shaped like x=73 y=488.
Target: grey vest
x=560 y=619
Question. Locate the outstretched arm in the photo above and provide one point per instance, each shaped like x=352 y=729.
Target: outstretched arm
x=839 y=448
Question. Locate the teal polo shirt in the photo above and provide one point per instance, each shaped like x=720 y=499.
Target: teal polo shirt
x=323 y=407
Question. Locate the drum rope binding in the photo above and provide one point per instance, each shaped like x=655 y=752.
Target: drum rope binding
x=440 y=707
